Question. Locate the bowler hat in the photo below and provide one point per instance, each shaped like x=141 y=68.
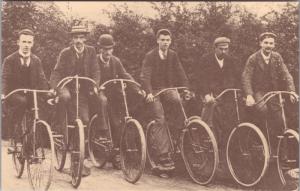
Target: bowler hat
x=79 y=30
x=106 y=41
x=221 y=40
x=267 y=34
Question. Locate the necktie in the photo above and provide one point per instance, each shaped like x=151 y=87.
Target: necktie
x=25 y=59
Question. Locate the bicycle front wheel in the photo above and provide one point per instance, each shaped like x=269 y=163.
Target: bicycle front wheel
x=18 y=143
x=247 y=154
x=133 y=151
x=288 y=155
x=41 y=157
x=199 y=151
x=77 y=152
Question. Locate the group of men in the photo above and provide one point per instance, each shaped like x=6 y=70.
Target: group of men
x=161 y=68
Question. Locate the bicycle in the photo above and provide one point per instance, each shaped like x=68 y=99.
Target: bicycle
x=249 y=146
x=196 y=143
x=132 y=143
x=33 y=142
x=72 y=138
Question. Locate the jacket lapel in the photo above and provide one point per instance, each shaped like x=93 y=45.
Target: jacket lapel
x=85 y=61
x=261 y=61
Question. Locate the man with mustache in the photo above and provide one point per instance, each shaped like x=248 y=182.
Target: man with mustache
x=162 y=69
x=215 y=72
x=265 y=71
x=78 y=59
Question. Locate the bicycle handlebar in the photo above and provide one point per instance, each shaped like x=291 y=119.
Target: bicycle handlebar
x=102 y=87
x=68 y=79
x=166 y=89
x=25 y=91
x=271 y=94
x=226 y=91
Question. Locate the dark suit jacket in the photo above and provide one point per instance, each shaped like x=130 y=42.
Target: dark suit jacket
x=210 y=78
x=65 y=65
x=175 y=72
x=10 y=73
x=254 y=70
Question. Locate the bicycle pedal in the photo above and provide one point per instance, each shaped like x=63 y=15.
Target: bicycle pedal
x=11 y=151
x=291 y=161
x=132 y=150
x=57 y=136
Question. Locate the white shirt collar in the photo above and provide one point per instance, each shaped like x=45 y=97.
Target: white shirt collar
x=102 y=60
x=266 y=58
x=25 y=55
x=162 y=55
x=78 y=52
x=221 y=62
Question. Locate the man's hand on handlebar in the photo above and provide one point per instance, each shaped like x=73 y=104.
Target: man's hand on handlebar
x=2 y=96
x=208 y=98
x=150 y=98
x=142 y=93
x=294 y=98
x=250 y=100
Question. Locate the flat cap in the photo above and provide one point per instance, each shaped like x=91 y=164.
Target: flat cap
x=266 y=35
x=221 y=40
x=163 y=31
x=26 y=32
x=79 y=30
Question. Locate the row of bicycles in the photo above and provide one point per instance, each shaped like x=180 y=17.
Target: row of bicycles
x=248 y=149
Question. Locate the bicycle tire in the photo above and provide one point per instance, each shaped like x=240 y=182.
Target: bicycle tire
x=97 y=151
x=199 y=151
x=61 y=146
x=129 y=150
x=252 y=147
x=77 y=153
x=41 y=160
x=292 y=160
x=150 y=151
x=18 y=143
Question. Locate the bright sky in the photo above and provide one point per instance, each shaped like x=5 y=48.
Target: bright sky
x=93 y=11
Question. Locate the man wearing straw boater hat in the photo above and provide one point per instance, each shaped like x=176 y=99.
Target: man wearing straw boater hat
x=77 y=59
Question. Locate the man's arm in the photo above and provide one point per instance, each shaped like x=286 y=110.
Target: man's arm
x=42 y=80
x=146 y=73
x=286 y=76
x=95 y=69
x=183 y=80
x=56 y=74
x=247 y=81
x=6 y=75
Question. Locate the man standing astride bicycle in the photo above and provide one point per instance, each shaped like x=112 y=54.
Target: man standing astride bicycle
x=22 y=70
x=162 y=69
x=265 y=71
x=78 y=59
x=214 y=73
x=111 y=68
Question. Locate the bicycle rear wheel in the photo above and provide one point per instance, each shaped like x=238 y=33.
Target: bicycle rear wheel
x=61 y=145
x=77 y=153
x=151 y=154
x=133 y=151
x=41 y=157
x=18 y=142
x=98 y=149
x=199 y=151
x=288 y=154
x=247 y=154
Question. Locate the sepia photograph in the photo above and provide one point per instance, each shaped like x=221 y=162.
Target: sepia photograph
x=149 y=95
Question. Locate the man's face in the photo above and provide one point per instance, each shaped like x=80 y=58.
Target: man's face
x=267 y=45
x=106 y=52
x=164 y=42
x=221 y=50
x=78 y=40
x=25 y=43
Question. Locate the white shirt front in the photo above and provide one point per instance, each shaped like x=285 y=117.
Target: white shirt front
x=78 y=52
x=163 y=55
x=266 y=58
x=106 y=63
x=221 y=62
x=22 y=59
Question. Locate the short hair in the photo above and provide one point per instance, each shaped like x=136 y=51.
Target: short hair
x=163 y=32
x=26 y=32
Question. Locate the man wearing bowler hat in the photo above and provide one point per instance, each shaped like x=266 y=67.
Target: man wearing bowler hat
x=162 y=69
x=265 y=71
x=77 y=59
x=111 y=99
x=215 y=72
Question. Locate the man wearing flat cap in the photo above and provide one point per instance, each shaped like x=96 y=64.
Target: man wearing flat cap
x=162 y=69
x=215 y=72
x=111 y=98
x=22 y=69
x=78 y=59
x=265 y=71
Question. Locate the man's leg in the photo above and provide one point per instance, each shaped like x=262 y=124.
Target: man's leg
x=63 y=105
